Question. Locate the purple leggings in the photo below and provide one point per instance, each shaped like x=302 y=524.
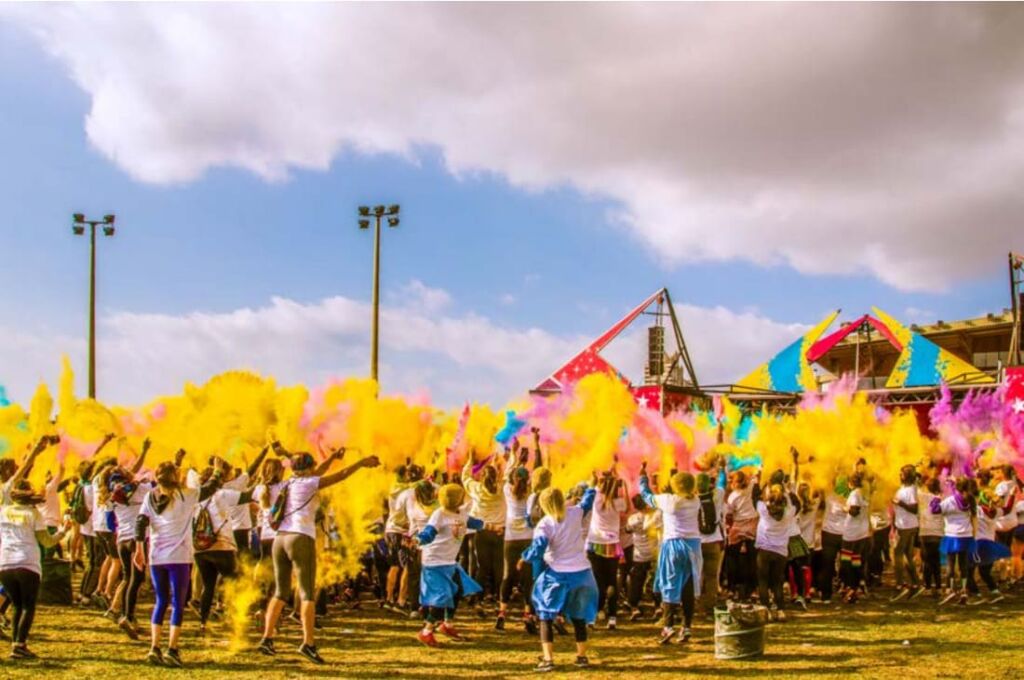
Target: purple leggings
x=170 y=584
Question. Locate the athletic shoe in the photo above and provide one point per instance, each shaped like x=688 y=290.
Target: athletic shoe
x=111 y=614
x=826 y=602
x=635 y=616
x=952 y=595
x=962 y=601
x=611 y=623
x=309 y=651
x=684 y=635
x=581 y=662
x=996 y=597
x=173 y=659
x=129 y=628
x=155 y=658
x=267 y=647
x=530 y=625
x=904 y=592
x=499 y=623
x=415 y=614
x=917 y=592
x=802 y=603
x=22 y=652
x=448 y=630
x=545 y=666
x=559 y=626
x=427 y=638
x=977 y=600
x=666 y=636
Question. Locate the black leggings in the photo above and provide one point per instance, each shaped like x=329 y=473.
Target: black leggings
x=488 y=547
x=133 y=576
x=606 y=570
x=211 y=564
x=625 y=566
x=932 y=560
x=985 y=570
x=830 y=546
x=243 y=543
x=637 y=581
x=92 y=571
x=22 y=587
x=524 y=577
x=579 y=629
x=741 y=567
x=771 y=573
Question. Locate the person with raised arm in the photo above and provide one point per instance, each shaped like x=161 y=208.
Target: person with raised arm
x=295 y=544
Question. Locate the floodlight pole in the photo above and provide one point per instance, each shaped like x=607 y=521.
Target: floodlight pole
x=78 y=228
x=378 y=213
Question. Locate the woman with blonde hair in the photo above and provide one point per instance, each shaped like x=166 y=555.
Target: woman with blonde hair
x=564 y=581
x=680 y=561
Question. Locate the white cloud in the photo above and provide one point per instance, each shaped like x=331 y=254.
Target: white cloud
x=508 y=299
x=454 y=357
x=877 y=138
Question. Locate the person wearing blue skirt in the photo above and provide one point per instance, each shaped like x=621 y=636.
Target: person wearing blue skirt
x=680 y=562
x=443 y=581
x=564 y=583
x=987 y=550
x=958 y=511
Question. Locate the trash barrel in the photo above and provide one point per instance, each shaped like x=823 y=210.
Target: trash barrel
x=55 y=586
x=739 y=632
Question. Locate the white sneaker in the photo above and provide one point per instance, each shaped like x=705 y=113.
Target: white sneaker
x=904 y=592
x=611 y=623
x=952 y=595
x=996 y=597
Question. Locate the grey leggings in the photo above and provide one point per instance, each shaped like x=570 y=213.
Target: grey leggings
x=298 y=551
x=903 y=560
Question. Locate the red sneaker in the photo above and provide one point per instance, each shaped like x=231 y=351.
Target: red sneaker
x=427 y=638
x=449 y=630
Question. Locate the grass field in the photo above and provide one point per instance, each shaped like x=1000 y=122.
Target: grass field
x=873 y=639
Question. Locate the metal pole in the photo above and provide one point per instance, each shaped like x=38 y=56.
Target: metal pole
x=375 y=302
x=92 y=310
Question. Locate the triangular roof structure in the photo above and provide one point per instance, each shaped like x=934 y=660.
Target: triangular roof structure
x=589 y=359
x=921 y=363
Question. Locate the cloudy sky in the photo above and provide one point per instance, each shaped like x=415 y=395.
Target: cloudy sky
x=555 y=164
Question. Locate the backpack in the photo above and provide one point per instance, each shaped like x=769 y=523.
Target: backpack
x=707 y=518
x=204 y=535
x=79 y=509
x=277 y=513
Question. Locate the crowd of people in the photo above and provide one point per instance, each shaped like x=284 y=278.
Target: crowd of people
x=499 y=537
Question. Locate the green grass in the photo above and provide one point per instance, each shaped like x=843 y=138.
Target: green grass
x=866 y=640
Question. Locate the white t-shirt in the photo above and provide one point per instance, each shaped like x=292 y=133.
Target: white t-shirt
x=516 y=526
x=605 y=520
x=19 y=548
x=127 y=514
x=773 y=534
x=931 y=524
x=170 y=532
x=300 y=507
x=50 y=508
x=835 y=514
x=719 y=498
x=679 y=516
x=90 y=503
x=741 y=504
x=451 y=529
x=807 y=522
x=905 y=519
x=1005 y=521
x=957 y=522
x=397 y=522
x=99 y=512
x=417 y=514
x=985 y=527
x=566 y=552
x=220 y=506
x=639 y=525
x=241 y=516
x=857 y=527
x=267 y=532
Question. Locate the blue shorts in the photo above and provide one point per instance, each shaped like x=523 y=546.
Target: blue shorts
x=440 y=586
